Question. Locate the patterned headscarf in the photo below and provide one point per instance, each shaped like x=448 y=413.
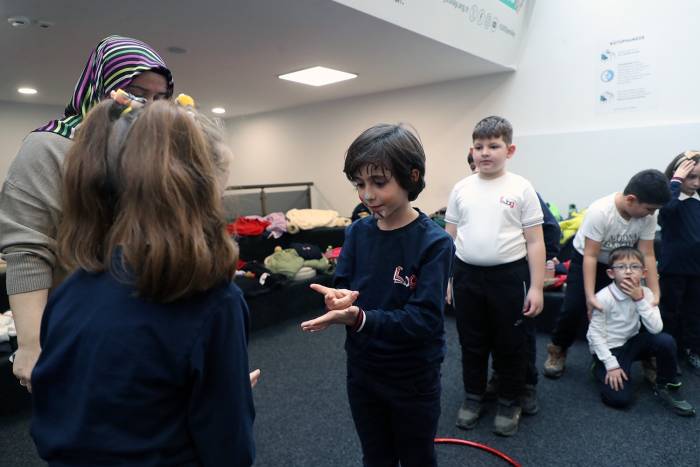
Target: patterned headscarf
x=114 y=63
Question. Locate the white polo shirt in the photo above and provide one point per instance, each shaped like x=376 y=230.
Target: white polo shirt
x=603 y=223
x=490 y=216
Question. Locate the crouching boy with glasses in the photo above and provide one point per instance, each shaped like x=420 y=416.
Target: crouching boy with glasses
x=616 y=341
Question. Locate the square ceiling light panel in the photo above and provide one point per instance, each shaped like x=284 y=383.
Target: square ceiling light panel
x=317 y=76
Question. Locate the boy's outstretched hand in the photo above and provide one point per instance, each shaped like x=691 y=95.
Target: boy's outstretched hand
x=336 y=299
x=614 y=378
x=347 y=317
x=339 y=303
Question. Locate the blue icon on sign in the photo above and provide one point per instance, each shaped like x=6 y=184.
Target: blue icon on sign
x=606 y=97
x=607 y=76
x=607 y=55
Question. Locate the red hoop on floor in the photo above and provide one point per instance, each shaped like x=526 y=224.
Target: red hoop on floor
x=483 y=447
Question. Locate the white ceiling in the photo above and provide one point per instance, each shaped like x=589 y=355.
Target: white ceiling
x=235 y=49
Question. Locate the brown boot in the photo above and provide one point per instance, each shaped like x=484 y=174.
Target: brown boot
x=556 y=361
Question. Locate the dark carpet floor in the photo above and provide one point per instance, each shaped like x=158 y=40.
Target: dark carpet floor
x=303 y=418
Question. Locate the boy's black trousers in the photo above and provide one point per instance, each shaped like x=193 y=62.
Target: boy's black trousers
x=488 y=302
x=573 y=313
x=396 y=415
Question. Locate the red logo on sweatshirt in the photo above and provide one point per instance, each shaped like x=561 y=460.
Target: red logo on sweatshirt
x=407 y=281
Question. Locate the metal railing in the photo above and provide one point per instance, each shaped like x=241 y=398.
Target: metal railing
x=263 y=194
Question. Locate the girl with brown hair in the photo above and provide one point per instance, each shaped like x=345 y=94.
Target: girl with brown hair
x=144 y=356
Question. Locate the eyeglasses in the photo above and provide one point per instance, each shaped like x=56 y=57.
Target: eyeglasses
x=624 y=267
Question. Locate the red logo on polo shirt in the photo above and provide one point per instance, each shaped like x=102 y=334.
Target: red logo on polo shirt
x=510 y=202
x=407 y=281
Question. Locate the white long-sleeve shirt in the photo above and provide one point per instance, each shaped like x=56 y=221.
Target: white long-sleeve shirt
x=619 y=321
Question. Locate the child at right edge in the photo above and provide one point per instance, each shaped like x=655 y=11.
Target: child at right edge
x=615 y=340
x=679 y=260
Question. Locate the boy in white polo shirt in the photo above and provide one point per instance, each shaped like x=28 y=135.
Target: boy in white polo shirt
x=625 y=218
x=496 y=219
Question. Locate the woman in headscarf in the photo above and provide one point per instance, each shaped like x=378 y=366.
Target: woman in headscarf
x=30 y=206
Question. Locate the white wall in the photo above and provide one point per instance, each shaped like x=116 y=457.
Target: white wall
x=16 y=121
x=553 y=91
x=490 y=29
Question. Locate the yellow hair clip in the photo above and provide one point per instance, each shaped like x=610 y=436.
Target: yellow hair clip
x=128 y=100
x=185 y=100
x=691 y=154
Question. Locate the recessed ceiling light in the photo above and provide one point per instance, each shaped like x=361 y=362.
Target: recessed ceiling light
x=19 y=21
x=218 y=110
x=317 y=76
x=28 y=91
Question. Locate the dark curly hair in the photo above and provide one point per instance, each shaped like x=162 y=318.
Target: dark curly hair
x=393 y=148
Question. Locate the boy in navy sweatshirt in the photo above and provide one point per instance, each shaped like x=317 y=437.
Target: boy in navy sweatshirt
x=391 y=278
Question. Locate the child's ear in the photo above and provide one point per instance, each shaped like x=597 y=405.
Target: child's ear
x=631 y=199
x=415 y=175
x=610 y=273
x=511 y=150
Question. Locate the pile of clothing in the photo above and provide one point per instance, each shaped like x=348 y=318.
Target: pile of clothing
x=275 y=224
x=7 y=327
x=306 y=219
x=255 y=279
x=299 y=262
x=278 y=223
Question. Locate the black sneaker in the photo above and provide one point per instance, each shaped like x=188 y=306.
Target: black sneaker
x=470 y=411
x=507 y=418
x=670 y=396
x=528 y=400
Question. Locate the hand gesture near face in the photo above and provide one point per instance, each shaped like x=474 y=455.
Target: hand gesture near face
x=684 y=169
x=632 y=287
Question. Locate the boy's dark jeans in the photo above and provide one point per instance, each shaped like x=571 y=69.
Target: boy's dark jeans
x=680 y=309
x=640 y=347
x=488 y=305
x=396 y=416
x=573 y=311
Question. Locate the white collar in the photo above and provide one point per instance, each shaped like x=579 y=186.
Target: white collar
x=683 y=196
x=617 y=294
